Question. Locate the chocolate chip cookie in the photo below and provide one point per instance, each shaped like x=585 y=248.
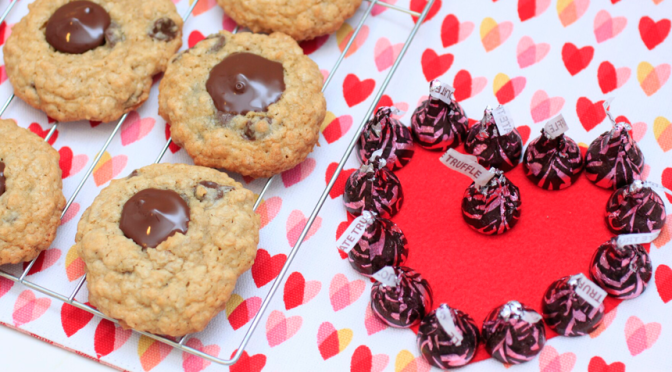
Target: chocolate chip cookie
x=31 y=196
x=248 y=103
x=91 y=60
x=300 y=19
x=164 y=247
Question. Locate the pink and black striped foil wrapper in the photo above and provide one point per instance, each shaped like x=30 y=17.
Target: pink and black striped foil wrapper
x=553 y=164
x=568 y=314
x=492 y=149
x=439 y=126
x=436 y=346
x=623 y=272
x=373 y=188
x=635 y=209
x=614 y=160
x=509 y=337
x=390 y=135
x=406 y=304
x=494 y=208
x=383 y=244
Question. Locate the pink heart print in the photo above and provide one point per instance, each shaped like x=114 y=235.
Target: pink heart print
x=28 y=308
x=640 y=336
x=135 y=128
x=344 y=293
x=606 y=27
x=70 y=213
x=372 y=323
x=551 y=361
x=280 y=329
x=268 y=209
x=192 y=363
x=384 y=53
x=529 y=53
x=5 y=286
x=299 y=173
x=543 y=108
x=295 y=224
x=606 y=322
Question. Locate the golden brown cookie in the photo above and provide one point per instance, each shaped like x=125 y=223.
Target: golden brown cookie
x=248 y=103
x=91 y=60
x=164 y=247
x=300 y=19
x=31 y=196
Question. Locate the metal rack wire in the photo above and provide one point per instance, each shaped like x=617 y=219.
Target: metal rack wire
x=180 y=343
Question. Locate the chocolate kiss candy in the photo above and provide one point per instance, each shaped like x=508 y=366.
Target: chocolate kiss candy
x=383 y=244
x=437 y=125
x=441 y=350
x=623 y=272
x=405 y=304
x=151 y=216
x=373 y=188
x=513 y=333
x=614 y=160
x=389 y=135
x=635 y=209
x=566 y=312
x=494 y=208
x=491 y=148
x=77 y=27
x=553 y=164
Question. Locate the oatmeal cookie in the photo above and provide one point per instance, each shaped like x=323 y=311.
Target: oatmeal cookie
x=248 y=103
x=31 y=195
x=300 y=19
x=164 y=247
x=91 y=60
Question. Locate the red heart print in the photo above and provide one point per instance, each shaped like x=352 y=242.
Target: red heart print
x=339 y=186
x=355 y=91
x=524 y=131
x=94 y=123
x=576 y=59
x=419 y=6
x=266 y=268
x=73 y=319
x=5 y=286
x=653 y=33
x=246 y=363
x=299 y=292
x=109 y=337
x=299 y=173
x=3 y=32
x=434 y=65
x=194 y=38
x=310 y=46
x=528 y=9
x=65 y=161
x=193 y=363
x=590 y=114
x=339 y=126
x=37 y=129
x=597 y=364
x=664 y=283
x=240 y=311
x=173 y=146
x=466 y=87
x=339 y=231
x=667 y=181
x=44 y=261
x=611 y=78
x=452 y=31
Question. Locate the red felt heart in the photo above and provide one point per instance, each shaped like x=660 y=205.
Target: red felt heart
x=73 y=319
x=355 y=91
x=266 y=268
x=564 y=228
x=37 y=129
x=664 y=282
x=590 y=114
x=434 y=65
x=173 y=146
x=419 y=6
x=246 y=363
x=339 y=186
x=653 y=33
x=576 y=59
x=194 y=38
x=597 y=364
x=310 y=46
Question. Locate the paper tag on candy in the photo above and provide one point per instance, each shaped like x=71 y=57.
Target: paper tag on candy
x=387 y=276
x=442 y=91
x=503 y=120
x=354 y=232
x=467 y=165
x=632 y=239
x=447 y=322
x=556 y=127
x=589 y=291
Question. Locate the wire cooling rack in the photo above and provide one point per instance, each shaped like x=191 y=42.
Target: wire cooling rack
x=180 y=343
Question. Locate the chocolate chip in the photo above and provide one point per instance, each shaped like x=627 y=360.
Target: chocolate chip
x=218 y=45
x=214 y=191
x=249 y=134
x=164 y=29
x=179 y=55
x=2 y=178
x=133 y=174
x=114 y=35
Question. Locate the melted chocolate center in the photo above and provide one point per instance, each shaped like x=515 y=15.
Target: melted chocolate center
x=245 y=82
x=152 y=216
x=77 y=27
x=2 y=178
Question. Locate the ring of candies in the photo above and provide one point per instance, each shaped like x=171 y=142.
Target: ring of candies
x=512 y=333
